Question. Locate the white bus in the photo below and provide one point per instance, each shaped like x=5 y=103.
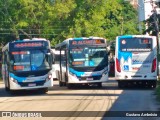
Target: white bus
x=55 y=65
x=136 y=60
x=85 y=61
x=27 y=64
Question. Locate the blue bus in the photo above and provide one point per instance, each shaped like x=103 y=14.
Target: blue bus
x=83 y=61
x=27 y=64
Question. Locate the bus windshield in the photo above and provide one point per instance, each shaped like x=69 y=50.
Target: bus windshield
x=29 y=60
x=88 y=56
x=136 y=44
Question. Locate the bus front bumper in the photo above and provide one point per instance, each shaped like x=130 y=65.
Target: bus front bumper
x=30 y=86
x=76 y=80
x=136 y=77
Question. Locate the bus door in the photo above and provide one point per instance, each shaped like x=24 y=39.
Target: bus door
x=66 y=66
x=63 y=66
x=5 y=69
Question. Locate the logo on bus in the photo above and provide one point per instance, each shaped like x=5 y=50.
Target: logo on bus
x=126 y=67
x=140 y=62
x=123 y=42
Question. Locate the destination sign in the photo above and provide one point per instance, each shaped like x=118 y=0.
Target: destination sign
x=20 y=52
x=87 y=42
x=28 y=44
x=145 y=41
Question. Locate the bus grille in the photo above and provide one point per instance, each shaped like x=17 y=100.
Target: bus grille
x=26 y=84
x=94 y=78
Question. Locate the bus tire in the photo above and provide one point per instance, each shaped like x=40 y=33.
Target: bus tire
x=60 y=83
x=99 y=85
x=120 y=84
x=44 y=90
x=69 y=86
x=153 y=84
x=7 y=86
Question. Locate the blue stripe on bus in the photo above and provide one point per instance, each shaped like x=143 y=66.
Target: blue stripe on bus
x=125 y=55
x=22 y=79
x=19 y=79
x=19 y=41
x=77 y=38
x=126 y=36
x=79 y=74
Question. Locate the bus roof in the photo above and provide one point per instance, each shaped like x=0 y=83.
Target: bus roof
x=129 y=36
x=80 y=38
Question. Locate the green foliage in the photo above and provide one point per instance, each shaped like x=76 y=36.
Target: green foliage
x=57 y=20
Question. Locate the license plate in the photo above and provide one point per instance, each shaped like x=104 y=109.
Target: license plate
x=32 y=84
x=89 y=78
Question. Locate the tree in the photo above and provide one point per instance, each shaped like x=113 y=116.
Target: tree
x=61 y=19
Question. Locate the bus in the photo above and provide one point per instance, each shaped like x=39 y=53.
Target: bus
x=85 y=61
x=27 y=64
x=136 y=60
x=55 y=65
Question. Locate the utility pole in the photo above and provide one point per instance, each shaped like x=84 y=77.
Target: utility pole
x=155 y=23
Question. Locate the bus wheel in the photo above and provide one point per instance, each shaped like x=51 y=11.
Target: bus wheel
x=60 y=83
x=66 y=80
x=120 y=84
x=44 y=90
x=153 y=84
x=99 y=85
x=7 y=86
x=69 y=86
x=64 y=84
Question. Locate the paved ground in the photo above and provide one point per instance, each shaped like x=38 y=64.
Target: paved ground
x=81 y=98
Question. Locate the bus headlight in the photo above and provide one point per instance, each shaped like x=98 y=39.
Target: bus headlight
x=15 y=81
x=49 y=77
x=11 y=78
x=72 y=74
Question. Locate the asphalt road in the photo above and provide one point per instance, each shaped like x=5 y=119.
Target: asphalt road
x=85 y=102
